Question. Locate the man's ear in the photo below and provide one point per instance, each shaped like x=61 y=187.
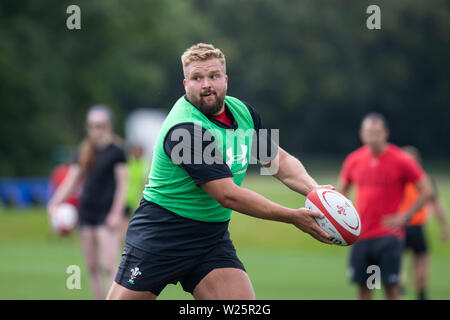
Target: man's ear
x=184 y=82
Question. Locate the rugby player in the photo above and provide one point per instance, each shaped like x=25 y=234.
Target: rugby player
x=180 y=231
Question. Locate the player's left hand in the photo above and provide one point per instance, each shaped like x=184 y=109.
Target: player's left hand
x=395 y=221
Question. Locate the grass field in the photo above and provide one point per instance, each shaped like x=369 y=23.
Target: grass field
x=282 y=262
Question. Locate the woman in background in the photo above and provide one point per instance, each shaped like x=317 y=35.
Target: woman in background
x=101 y=163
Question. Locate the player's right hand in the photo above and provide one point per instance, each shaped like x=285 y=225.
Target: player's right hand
x=304 y=220
x=51 y=208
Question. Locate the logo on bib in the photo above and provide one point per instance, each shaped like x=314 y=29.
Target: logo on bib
x=231 y=158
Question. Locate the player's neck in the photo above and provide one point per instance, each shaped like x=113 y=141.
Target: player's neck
x=104 y=142
x=378 y=150
x=220 y=111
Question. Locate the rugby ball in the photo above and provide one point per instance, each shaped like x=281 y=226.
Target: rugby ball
x=341 y=219
x=64 y=219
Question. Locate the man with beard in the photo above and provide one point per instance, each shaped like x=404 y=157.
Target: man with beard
x=180 y=231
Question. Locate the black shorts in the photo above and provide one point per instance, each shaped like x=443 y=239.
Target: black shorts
x=143 y=271
x=383 y=252
x=415 y=239
x=91 y=218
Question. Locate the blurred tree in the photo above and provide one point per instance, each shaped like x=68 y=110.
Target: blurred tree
x=311 y=68
x=314 y=70
x=126 y=55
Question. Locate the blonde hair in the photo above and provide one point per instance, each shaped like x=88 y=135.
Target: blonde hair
x=202 y=52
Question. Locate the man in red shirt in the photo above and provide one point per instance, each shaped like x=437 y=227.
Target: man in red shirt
x=380 y=171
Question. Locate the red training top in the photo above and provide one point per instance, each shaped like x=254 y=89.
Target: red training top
x=380 y=182
x=223 y=117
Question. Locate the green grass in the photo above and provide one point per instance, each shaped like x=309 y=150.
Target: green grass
x=282 y=262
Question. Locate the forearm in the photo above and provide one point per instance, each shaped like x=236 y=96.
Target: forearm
x=253 y=204
x=425 y=195
x=245 y=201
x=293 y=174
x=120 y=193
x=440 y=213
x=417 y=205
x=118 y=205
x=66 y=188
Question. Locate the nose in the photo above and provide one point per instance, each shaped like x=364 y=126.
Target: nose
x=206 y=83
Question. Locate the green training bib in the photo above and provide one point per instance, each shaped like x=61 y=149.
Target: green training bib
x=172 y=188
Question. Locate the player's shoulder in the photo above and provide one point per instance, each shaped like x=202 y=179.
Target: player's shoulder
x=242 y=103
x=117 y=146
x=245 y=105
x=116 y=150
x=232 y=98
x=357 y=154
x=183 y=131
x=395 y=150
x=398 y=153
x=189 y=126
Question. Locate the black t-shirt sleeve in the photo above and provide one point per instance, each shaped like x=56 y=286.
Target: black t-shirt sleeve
x=119 y=155
x=264 y=147
x=203 y=163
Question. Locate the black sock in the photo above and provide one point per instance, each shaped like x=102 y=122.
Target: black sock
x=421 y=295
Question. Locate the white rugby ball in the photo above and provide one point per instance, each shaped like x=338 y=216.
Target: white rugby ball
x=64 y=219
x=341 y=219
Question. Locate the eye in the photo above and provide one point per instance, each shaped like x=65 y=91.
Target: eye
x=214 y=77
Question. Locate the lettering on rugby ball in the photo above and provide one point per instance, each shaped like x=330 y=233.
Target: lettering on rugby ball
x=341 y=218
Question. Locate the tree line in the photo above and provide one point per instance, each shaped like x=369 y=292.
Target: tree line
x=311 y=68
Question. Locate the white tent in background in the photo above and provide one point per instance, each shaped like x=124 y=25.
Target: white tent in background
x=142 y=127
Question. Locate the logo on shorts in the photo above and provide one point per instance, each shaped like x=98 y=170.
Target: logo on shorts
x=134 y=273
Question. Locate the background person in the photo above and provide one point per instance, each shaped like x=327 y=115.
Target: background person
x=137 y=167
x=101 y=163
x=380 y=171
x=415 y=239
